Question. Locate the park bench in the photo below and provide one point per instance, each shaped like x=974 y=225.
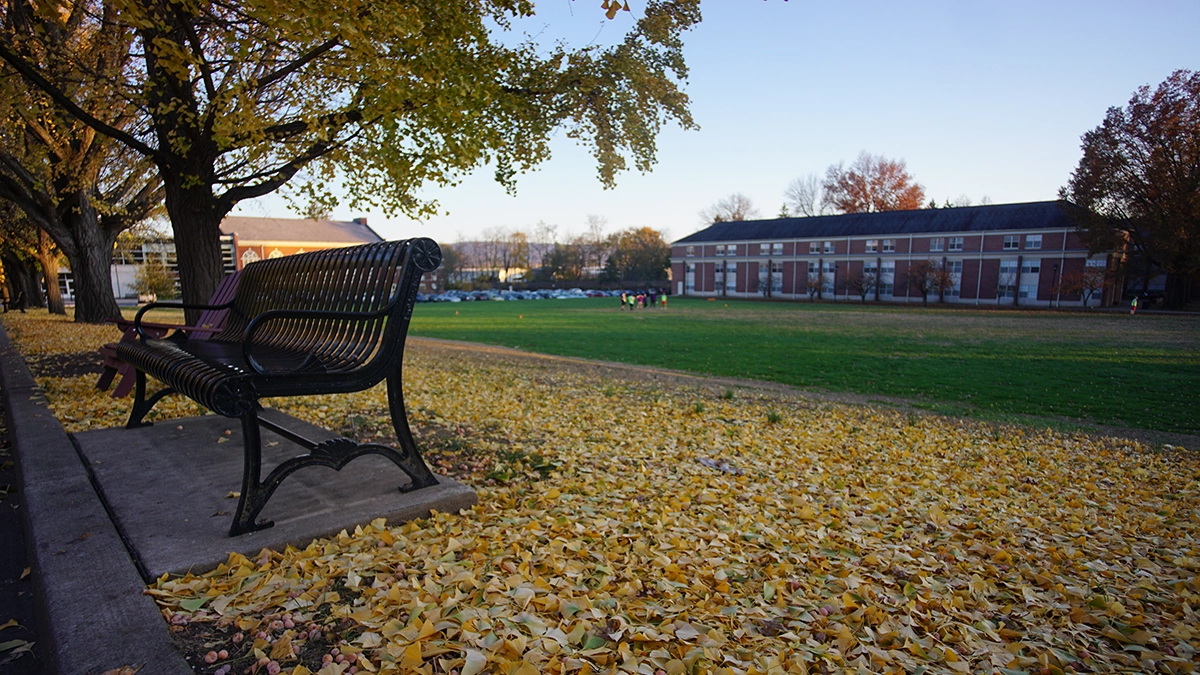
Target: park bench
x=210 y=322
x=324 y=322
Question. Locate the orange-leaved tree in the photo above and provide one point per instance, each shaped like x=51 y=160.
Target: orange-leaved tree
x=871 y=184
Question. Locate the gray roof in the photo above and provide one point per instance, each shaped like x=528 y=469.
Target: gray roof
x=299 y=229
x=993 y=217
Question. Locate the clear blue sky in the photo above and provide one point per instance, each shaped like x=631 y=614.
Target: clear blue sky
x=979 y=98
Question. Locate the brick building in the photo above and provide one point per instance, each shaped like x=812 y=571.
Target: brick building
x=253 y=239
x=1014 y=254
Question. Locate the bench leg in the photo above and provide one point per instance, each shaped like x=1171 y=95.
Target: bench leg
x=254 y=493
x=142 y=405
x=410 y=456
x=334 y=454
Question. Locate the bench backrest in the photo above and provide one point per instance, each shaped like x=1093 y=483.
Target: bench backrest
x=374 y=278
x=212 y=320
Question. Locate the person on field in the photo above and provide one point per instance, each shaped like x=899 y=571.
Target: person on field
x=664 y=300
x=1133 y=306
x=624 y=299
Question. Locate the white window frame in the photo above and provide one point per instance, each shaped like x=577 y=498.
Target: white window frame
x=936 y=244
x=829 y=247
x=1033 y=242
x=889 y=245
x=764 y=249
x=1012 y=242
x=777 y=249
x=872 y=246
x=720 y=249
x=956 y=243
x=690 y=252
x=887 y=278
x=1033 y=266
x=814 y=247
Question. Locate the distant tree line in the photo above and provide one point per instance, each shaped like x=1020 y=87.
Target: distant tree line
x=634 y=254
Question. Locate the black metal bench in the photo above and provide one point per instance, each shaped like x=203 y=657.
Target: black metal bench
x=324 y=322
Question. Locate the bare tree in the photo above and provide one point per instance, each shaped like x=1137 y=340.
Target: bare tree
x=803 y=197
x=922 y=277
x=595 y=242
x=961 y=200
x=813 y=285
x=863 y=283
x=544 y=238
x=735 y=207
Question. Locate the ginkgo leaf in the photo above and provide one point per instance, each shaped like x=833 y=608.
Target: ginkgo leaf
x=849 y=538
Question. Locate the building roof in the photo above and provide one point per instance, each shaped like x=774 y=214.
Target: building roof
x=993 y=217
x=299 y=229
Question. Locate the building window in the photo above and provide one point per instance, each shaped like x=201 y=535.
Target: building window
x=1031 y=266
x=249 y=256
x=935 y=245
x=829 y=247
x=691 y=276
x=720 y=249
x=777 y=249
x=954 y=267
x=889 y=245
x=956 y=243
x=1012 y=242
x=872 y=246
x=1033 y=241
x=275 y=254
x=730 y=276
x=764 y=249
x=887 y=275
x=812 y=268
x=1098 y=262
x=691 y=251
x=1008 y=267
x=1026 y=291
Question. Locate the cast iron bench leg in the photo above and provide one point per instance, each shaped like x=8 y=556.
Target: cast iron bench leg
x=254 y=494
x=409 y=457
x=142 y=405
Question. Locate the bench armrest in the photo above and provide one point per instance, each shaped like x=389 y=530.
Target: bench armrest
x=140 y=326
x=310 y=314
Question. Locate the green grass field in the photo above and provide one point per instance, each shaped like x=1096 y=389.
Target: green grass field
x=1097 y=368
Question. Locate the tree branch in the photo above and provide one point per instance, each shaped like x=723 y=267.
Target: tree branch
x=31 y=73
x=316 y=52
x=278 y=177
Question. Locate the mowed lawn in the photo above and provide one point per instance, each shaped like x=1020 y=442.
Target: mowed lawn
x=1098 y=368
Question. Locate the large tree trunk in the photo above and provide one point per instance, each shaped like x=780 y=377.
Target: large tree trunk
x=48 y=259
x=87 y=245
x=24 y=290
x=196 y=221
x=91 y=265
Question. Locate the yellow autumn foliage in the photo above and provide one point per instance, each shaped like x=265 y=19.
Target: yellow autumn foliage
x=658 y=536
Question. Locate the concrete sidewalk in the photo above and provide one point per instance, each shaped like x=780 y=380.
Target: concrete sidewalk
x=105 y=508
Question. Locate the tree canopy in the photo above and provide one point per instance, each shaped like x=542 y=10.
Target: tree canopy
x=81 y=188
x=871 y=184
x=638 y=254
x=1139 y=179
x=377 y=97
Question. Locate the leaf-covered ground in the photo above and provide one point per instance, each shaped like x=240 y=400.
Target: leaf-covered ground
x=640 y=525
